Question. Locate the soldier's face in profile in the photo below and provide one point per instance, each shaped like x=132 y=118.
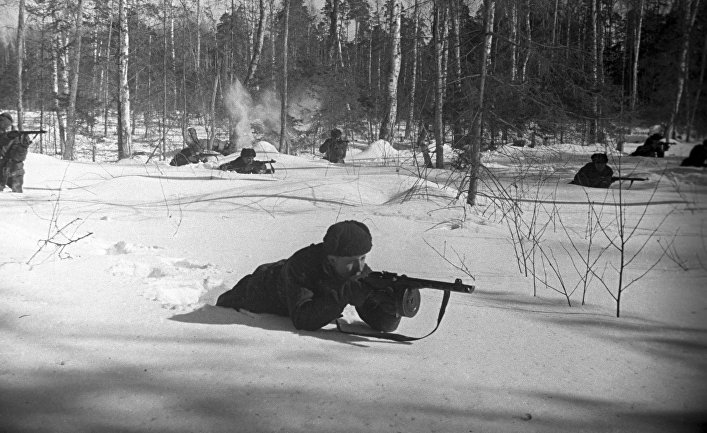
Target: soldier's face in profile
x=347 y=267
x=5 y=122
x=248 y=159
x=599 y=165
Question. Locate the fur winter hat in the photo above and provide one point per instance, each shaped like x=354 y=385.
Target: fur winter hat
x=248 y=152
x=600 y=157
x=347 y=239
x=6 y=115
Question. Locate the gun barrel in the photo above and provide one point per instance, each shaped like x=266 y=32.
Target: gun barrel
x=385 y=279
x=615 y=178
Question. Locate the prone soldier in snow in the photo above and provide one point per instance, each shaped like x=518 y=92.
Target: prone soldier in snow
x=654 y=146
x=595 y=174
x=316 y=283
x=247 y=164
x=195 y=150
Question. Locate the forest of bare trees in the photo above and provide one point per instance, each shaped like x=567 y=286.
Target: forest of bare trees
x=470 y=73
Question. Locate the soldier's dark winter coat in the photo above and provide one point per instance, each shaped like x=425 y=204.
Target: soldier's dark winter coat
x=305 y=288
x=334 y=150
x=13 y=152
x=697 y=157
x=652 y=147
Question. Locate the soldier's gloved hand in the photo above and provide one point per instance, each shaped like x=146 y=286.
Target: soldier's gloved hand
x=354 y=293
x=385 y=300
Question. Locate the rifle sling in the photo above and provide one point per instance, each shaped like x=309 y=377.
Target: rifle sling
x=400 y=337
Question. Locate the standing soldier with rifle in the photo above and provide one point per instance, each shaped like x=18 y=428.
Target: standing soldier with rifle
x=13 y=152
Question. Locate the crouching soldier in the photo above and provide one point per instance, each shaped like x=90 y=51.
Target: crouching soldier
x=595 y=174
x=13 y=152
x=334 y=148
x=316 y=283
x=697 y=157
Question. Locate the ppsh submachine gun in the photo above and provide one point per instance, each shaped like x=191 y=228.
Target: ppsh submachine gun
x=404 y=292
x=263 y=166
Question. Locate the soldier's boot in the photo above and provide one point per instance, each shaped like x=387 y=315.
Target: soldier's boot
x=15 y=182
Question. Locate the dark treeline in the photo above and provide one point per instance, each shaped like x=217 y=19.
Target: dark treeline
x=561 y=69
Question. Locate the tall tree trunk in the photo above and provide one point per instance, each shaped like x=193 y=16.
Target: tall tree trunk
x=74 y=85
x=477 y=132
x=56 y=75
x=529 y=39
x=165 y=91
x=600 y=69
x=554 y=22
x=413 y=72
x=334 y=47
x=273 y=75
x=173 y=57
x=106 y=104
x=423 y=131
x=125 y=142
x=147 y=115
x=514 y=40
x=438 y=42
x=198 y=35
x=593 y=70
x=691 y=8
x=20 y=62
x=636 y=50
x=387 y=130
x=258 y=48
x=698 y=93
x=284 y=142
x=214 y=92
x=455 y=52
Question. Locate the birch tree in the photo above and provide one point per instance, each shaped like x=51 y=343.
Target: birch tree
x=636 y=51
x=258 y=47
x=594 y=72
x=71 y=123
x=690 y=11
x=413 y=70
x=57 y=63
x=284 y=143
x=334 y=51
x=438 y=24
x=20 y=61
x=198 y=33
x=477 y=131
x=387 y=129
x=125 y=136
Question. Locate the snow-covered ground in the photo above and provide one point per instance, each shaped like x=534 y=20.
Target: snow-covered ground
x=109 y=273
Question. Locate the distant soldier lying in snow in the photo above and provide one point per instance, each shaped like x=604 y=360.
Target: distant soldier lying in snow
x=195 y=151
x=246 y=164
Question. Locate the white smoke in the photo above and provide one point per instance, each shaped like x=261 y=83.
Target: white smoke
x=244 y=112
